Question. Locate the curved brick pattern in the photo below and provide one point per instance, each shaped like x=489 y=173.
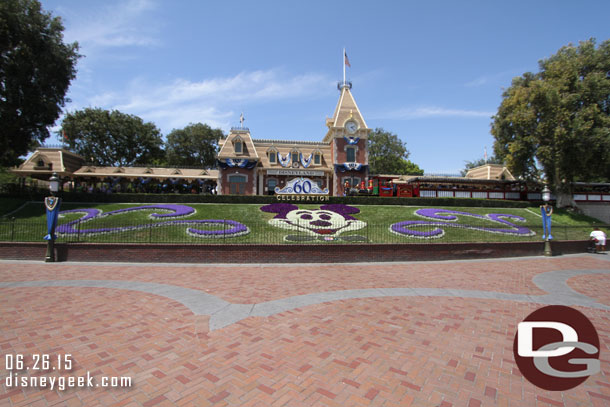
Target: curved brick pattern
x=381 y=351
x=243 y=283
x=592 y=286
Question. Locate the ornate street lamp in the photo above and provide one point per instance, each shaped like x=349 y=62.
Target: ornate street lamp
x=52 y=204
x=546 y=211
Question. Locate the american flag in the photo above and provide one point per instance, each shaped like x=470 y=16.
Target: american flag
x=346 y=60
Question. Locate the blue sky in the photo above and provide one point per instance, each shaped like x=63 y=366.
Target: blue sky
x=431 y=72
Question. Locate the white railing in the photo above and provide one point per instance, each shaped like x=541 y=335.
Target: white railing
x=531 y=196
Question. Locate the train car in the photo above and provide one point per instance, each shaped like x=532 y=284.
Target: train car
x=439 y=187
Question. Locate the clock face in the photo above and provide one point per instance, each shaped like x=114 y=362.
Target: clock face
x=351 y=126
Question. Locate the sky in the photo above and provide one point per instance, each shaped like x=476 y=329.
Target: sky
x=431 y=72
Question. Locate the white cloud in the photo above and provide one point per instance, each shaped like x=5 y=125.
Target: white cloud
x=431 y=112
x=477 y=82
x=116 y=25
x=495 y=78
x=179 y=102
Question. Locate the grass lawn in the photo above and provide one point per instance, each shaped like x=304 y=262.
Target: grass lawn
x=30 y=225
x=8 y=205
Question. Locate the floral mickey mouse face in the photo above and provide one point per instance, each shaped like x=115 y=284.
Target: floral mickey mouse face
x=329 y=220
x=318 y=222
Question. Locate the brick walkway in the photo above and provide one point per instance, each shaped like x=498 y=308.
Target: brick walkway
x=442 y=337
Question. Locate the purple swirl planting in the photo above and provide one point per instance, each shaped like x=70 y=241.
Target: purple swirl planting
x=446 y=218
x=221 y=228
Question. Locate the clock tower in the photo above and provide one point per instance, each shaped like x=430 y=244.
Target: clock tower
x=347 y=135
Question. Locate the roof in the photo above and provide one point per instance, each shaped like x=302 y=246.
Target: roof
x=146 y=172
x=227 y=149
x=455 y=180
x=346 y=109
x=265 y=148
x=490 y=171
x=53 y=159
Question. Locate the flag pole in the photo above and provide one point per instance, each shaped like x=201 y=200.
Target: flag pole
x=343 y=67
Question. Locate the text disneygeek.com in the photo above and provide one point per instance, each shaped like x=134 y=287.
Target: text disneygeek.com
x=14 y=380
x=19 y=368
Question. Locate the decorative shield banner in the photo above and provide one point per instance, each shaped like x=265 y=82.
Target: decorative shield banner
x=52 y=205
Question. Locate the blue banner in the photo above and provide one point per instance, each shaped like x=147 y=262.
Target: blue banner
x=52 y=205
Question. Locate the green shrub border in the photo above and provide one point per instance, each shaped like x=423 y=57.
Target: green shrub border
x=267 y=199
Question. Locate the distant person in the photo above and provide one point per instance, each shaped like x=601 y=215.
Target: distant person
x=599 y=237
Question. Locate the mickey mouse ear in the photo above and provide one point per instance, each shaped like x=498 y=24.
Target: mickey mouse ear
x=280 y=208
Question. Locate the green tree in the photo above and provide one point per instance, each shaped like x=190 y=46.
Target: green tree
x=389 y=155
x=36 y=69
x=557 y=121
x=477 y=163
x=112 y=138
x=195 y=146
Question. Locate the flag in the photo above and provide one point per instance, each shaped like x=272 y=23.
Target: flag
x=346 y=60
x=241 y=119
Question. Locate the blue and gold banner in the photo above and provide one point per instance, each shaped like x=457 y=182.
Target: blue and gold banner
x=52 y=204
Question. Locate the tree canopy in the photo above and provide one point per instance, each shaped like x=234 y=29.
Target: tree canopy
x=111 y=138
x=388 y=154
x=556 y=122
x=196 y=145
x=36 y=68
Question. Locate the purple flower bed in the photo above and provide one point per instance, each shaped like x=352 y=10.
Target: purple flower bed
x=230 y=228
x=406 y=228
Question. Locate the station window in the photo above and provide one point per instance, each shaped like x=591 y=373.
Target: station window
x=317 y=159
x=271 y=184
x=351 y=154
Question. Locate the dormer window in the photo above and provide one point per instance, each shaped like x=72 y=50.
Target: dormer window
x=295 y=156
x=317 y=159
x=272 y=157
x=239 y=147
x=40 y=163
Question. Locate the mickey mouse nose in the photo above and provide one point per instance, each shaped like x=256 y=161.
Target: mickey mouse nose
x=321 y=223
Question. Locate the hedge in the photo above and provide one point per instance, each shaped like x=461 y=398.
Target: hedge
x=266 y=199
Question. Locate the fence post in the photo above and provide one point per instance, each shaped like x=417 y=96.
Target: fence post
x=12 y=228
x=150 y=224
x=78 y=233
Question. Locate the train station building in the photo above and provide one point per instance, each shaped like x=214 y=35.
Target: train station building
x=252 y=166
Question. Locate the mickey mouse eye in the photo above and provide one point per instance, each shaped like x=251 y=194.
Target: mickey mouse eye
x=325 y=217
x=306 y=216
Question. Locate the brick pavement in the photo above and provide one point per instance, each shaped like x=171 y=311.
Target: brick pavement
x=388 y=351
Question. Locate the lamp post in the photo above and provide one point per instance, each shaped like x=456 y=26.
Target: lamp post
x=51 y=204
x=546 y=220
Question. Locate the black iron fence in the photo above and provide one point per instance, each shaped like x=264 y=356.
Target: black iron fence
x=261 y=232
